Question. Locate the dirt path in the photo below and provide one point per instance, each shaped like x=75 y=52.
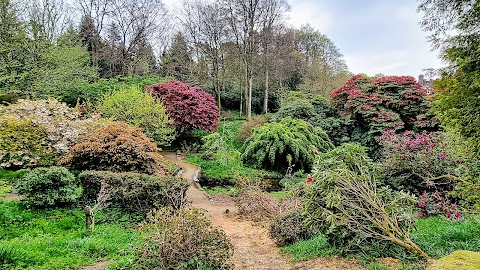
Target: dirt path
x=253 y=247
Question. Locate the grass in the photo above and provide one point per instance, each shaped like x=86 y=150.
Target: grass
x=311 y=248
x=222 y=190
x=57 y=239
x=439 y=237
x=11 y=176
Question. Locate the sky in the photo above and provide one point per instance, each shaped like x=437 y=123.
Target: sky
x=375 y=36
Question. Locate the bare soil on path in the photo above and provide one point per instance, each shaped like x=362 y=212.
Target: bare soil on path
x=253 y=248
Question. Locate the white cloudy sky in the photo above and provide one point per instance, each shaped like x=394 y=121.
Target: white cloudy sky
x=375 y=36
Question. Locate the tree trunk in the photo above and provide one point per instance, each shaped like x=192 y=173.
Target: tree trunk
x=250 y=88
x=89 y=219
x=265 y=96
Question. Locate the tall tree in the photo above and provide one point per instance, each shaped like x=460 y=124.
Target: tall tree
x=177 y=59
x=205 y=23
x=454 y=26
x=15 y=60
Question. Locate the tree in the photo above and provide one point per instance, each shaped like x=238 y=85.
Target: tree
x=189 y=107
x=455 y=29
x=15 y=59
x=177 y=60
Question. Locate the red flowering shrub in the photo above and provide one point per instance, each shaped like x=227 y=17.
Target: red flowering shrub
x=388 y=103
x=189 y=107
x=411 y=160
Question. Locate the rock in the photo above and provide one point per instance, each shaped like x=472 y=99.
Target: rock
x=458 y=260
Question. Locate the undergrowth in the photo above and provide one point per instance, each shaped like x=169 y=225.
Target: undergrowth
x=57 y=239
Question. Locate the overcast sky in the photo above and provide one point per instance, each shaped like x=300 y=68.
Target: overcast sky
x=375 y=36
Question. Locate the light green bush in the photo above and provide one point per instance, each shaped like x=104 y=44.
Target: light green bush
x=23 y=144
x=140 y=109
x=290 y=142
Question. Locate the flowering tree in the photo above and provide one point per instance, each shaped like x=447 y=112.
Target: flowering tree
x=388 y=103
x=189 y=107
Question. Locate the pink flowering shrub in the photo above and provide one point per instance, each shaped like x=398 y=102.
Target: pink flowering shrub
x=395 y=103
x=189 y=107
x=411 y=160
x=434 y=203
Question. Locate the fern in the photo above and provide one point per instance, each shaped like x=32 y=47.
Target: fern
x=279 y=145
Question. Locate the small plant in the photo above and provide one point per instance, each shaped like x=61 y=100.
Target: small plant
x=180 y=238
x=287 y=228
x=48 y=187
x=119 y=148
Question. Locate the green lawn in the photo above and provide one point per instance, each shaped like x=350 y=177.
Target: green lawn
x=57 y=239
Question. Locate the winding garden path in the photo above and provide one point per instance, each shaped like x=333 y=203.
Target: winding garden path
x=253 y=248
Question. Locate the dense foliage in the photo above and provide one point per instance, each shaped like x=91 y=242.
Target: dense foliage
x=183 y=238
x=373 y=106
x=189 y=107
x=247 y=128
x=316 y=111
x=279 y=145
x=23 y=144
x=48 y=187
x=140 y=109
x=346 y=203
x=287 y=228
x=63 y=125
x=412 y=160
x=119 y=148
x=133 y=192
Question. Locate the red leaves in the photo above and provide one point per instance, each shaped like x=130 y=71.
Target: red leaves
x=189 y=107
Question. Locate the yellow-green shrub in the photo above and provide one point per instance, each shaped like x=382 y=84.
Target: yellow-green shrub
x=458 y=260
x=140 y=109
x=23 y=144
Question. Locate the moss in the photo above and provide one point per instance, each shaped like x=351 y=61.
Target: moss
x=458 y=260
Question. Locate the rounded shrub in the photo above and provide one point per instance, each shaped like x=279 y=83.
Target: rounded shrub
x=279 y=145
x=133 y=106
x=287 y=228
x=48 y=187
x=119 y=148
x=180 y=238
x=23 y=144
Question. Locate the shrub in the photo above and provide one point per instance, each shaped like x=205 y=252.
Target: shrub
x=119 y=148
x=279 y=145
x=316 y=111
x=287 y=228
x=189 y=107
x=48 y=187
x=345 y=203
x=23 y=144
x=467 y=187
x=247 y=127
x=133 y=191
x=373 y=106
x=180 y=237
x=49 y=124
x=140 y=109
x=411 y=160
x=435 y=203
